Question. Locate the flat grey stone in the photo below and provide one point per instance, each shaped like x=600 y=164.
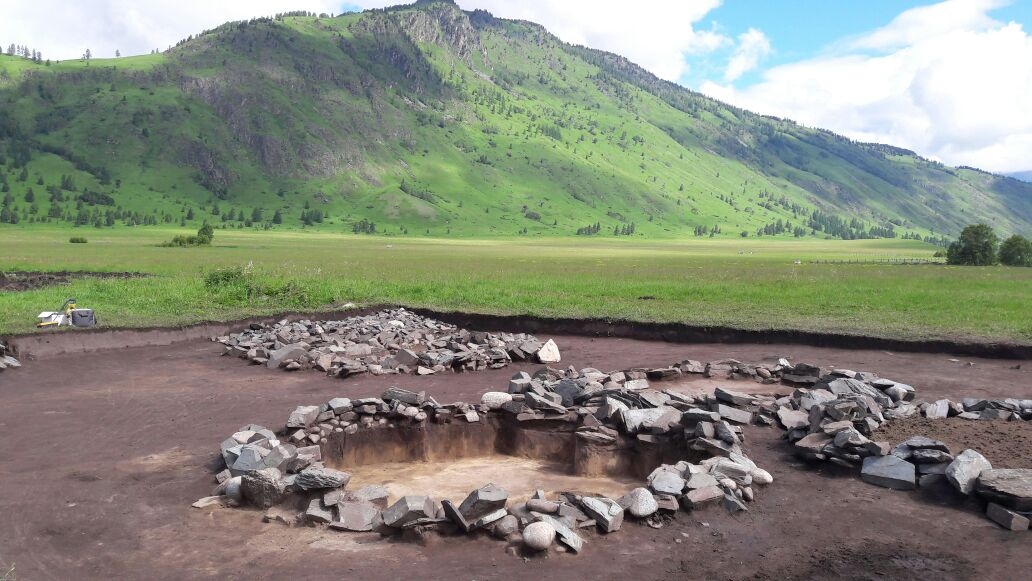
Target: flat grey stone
x=1011 y=488
x=409 y=510
x=890 y=472
x=357 y=516
x=929 y=456
x=314 y=478
x=695 y=499
x=733 y=397
x=733 y=414
x=317 y=513
x=696 y=481
x=792 y=419
x=372 y=493
x=923 y=443
x=666 y=483
x=606 y=512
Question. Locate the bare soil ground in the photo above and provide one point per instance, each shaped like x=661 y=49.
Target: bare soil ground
x=23 y=281
x=103 y=453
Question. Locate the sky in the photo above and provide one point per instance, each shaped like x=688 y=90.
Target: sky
x=950 y=80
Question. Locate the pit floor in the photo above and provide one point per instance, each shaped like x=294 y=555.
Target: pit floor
x=102 y=454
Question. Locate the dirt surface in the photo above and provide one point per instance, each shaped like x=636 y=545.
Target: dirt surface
x=103 y=453
x=23 y=281
x=1004 y=444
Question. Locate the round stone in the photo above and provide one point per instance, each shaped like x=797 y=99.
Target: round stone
x=640 y=503
x=232 y=489
x=761 y=476
x=538 y=536
x=506 y=526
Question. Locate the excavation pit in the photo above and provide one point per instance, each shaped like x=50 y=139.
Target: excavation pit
x=446 y=461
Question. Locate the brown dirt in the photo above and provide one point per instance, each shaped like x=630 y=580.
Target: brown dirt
x=29 y=280
x=1004 y=444
x=103 y=453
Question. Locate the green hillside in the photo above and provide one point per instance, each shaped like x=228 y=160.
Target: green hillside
x=425 y=118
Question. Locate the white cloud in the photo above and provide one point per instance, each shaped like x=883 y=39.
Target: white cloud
x=945 y=80
x=753 y=47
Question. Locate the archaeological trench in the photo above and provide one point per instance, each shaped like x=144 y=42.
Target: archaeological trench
x=607 y=447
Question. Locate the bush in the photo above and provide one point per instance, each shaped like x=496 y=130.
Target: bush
x=977 y=246
x=1016 y=251
x=77 y=240
x=203 y=238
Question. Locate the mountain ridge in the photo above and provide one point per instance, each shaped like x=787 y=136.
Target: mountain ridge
x=424 y=117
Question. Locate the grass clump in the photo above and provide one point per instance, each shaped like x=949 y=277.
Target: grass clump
x=238 y=286
x=203 y=238
x=77 y=240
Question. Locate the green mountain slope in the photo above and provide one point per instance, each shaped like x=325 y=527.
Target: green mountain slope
x=427 y=118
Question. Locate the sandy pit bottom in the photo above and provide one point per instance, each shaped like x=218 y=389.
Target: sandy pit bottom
x=454 y=479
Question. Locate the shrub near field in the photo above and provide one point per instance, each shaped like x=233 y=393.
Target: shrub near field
x=741 y=283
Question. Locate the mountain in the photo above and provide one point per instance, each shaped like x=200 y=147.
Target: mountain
x=426 y=118
x=1025 y=176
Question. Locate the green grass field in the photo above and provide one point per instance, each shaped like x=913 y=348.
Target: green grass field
x=745 y=283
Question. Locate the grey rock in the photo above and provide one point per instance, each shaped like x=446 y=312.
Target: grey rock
x=639 y=503
x=303 y=417
x=482 y=501
x=929 y=456
x=372 y=493
x=451 y=512
x=696 y=499
x=317 y=513
x=357 y=516
x=539 y=536
x=666 y=483
x=549 y=353
x=965 y=469
x=339 y=405
x=506 y=526
x=923 y=443
x=314 y=478
x=607 y=513
x=733 y=504
x=696 y=481
x=1006 y=518
x=409 y=511
x=1011 y=488
x=733 y=414
x=263 y=488
x=889 y=472
x=733 y=397
x=543 y=506
x=286 y=353
x=792 y=419
x=938 y=410
x=565 y=533
x=495 y=399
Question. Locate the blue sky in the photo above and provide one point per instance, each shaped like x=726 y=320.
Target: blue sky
x=949 y=79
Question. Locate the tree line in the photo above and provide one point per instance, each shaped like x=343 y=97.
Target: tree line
x=979 y=245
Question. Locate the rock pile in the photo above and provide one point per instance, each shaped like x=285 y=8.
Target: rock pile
x=604 y=411
x=394 y=341
x=7 y=360
x=979 y=409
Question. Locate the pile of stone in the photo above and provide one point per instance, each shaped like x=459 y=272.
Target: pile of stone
x=387 y=342
x=924 y=462
x=979 y=409
x=7 y=360
x=606 y=410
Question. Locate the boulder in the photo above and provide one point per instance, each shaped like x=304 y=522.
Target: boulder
x=410 y=511
x=263 y=488
x=303 y=417
x=1011 y=488
x=566 y=535
x=287 y=353
x=314 y=478
x=538 y=536
x=373 y=493
x=495 y=399
x=639 y=503
x=965 y=469
x=549 y=353
x=482 y=501
x=317 y=513
x=607 y=513
x=666 y=483
x=357 y=516
x=733 y=397
x=761 y=476
x=733 y=414
x=506 y=526
x=695 y=499
x=792 y=419
x=890 y=472
x=938 y=410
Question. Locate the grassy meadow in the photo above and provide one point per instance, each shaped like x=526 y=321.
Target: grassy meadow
x=747 y=283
